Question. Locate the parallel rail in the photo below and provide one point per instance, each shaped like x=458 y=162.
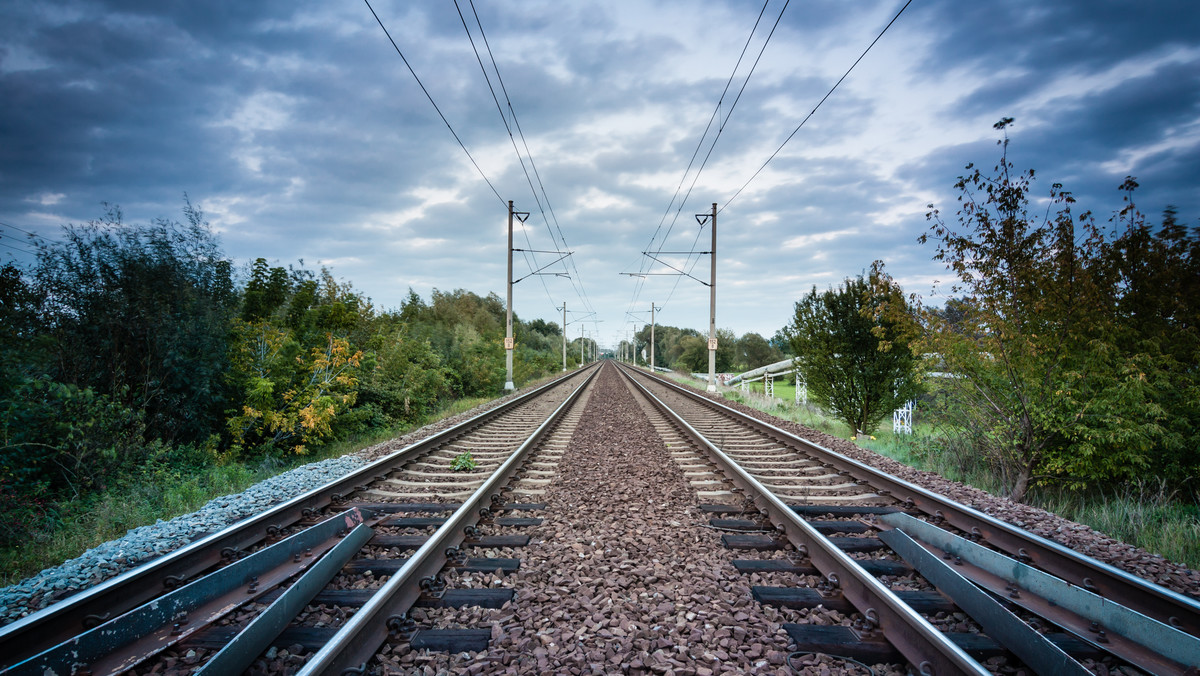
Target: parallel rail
x=88 y=609
x=1176 y=616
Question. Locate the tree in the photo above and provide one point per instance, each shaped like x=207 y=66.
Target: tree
x=754 y=351
x=289 y=398
x=266 y=291
x=851 y=345
x=693 y=354
x=1154 y=277
x=1039 y=385
x=140 y=314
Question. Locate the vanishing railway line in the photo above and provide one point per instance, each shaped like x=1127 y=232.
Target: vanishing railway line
x=128 y=620
x=350 y=578
x=785 y=478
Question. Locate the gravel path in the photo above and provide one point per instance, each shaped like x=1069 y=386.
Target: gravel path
x=623 y=576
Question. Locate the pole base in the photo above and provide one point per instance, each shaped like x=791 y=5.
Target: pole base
x=712 y=387
x=509 y=387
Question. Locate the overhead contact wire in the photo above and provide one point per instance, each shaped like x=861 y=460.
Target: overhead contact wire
x=643 y=264
x=815 y=108
x=712 y=146
x=580 y=290
x=434 y=103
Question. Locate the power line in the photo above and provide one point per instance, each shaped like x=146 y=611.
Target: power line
x=18 y=249
x=507 y=128
x=716 y=110
x=699 y=144
x=434 y=103
x=712 y=145
x=721 y=129
x=580 y=291
x=814 y=110
x=28 y=232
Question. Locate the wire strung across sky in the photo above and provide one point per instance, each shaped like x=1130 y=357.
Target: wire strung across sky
x=535 y=266
x=580 y=290
x=643 y=261
x=21 y=245
x=797 y=129
x=647 y=261
x=434 y=103
x=814 y=110
x=739 y=191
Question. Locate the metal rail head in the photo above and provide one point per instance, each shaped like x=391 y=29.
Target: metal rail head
x=919 y=641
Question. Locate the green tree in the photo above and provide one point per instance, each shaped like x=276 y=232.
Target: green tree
x=140 y=314
x=1039 y=389
x=851 y=344
x=266 y=292
x=1154 y=277
x=754 y=351
x=693 y=355
x=290 y=396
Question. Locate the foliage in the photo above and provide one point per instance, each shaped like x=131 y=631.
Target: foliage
x=126 y=347
x=58 y=439
x=140 y=314
x=289 y=401
x=852 y=345
x=403 y=378
x=463 y=462
x=754 y=351
x=1064 y=351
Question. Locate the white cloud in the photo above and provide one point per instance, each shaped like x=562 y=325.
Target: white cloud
x=805 y=241
x=47 y=199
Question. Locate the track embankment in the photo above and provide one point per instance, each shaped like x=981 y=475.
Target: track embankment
x=1081 y=538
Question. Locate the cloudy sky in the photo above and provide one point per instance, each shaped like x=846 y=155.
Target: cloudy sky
x=298 y=129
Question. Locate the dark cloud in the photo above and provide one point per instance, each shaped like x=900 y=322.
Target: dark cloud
x=304 y=136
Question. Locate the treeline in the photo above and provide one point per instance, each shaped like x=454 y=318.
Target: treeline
x=687 y=349
x=131 y=345
x=1068 y=355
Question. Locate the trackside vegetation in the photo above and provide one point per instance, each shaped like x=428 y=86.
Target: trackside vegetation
x=1066 y=357
x=1072 y=348
x=1062 y=371
x=142 y=374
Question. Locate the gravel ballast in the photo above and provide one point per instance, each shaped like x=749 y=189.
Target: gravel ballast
x=623 y=576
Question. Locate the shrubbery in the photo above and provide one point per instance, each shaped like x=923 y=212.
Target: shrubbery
x=130 y=350
x=1072 y=351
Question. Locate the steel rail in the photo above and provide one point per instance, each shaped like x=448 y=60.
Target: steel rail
x=1100 y=578
x=46 y=628
x=354 y=644
x=920 y=642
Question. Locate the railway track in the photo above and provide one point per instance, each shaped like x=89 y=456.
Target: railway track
x=1025 y=595
x=380 y=513
x=596 y=534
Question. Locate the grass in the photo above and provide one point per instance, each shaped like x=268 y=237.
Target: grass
x=164 y=493
x=1145 y=514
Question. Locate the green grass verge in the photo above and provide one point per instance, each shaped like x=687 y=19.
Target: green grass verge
x=164 y=492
